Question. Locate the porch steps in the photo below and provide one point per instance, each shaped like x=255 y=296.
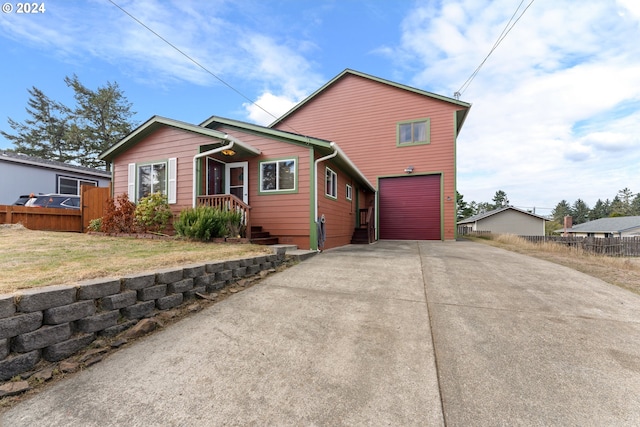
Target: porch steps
x=292 y=251
x=360 y=237
x=260 y=237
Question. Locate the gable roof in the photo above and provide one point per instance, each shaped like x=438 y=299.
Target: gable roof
x=156 y=122
x=483 y=215
x=607 y=225
x=465 y=106
x=18 y=158
x=322 y=146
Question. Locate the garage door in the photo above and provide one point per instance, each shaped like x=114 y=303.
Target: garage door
x=410 y=208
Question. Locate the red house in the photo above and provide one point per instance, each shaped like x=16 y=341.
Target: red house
x=374 y=158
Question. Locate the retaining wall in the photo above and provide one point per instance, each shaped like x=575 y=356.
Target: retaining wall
x=55 y=322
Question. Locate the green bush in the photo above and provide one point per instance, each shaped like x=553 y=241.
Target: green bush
x=153 y=213
x=95 y=224
x=205 y=223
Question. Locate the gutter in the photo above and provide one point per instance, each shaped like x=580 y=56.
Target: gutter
x=231 y=140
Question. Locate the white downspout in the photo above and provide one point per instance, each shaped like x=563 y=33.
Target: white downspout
x=207 y=153
x=316 y=163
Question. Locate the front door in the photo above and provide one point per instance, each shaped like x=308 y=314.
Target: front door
x=215 y=174
x=236 y=181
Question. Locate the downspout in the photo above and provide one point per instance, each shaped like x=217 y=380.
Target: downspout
x=314 y=245
x=321 y=159
x=231 y=140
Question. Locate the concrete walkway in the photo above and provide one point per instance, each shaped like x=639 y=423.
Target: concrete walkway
x=347 y=338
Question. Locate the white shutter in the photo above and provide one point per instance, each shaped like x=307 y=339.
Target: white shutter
x=131 y=182
x=173 y=180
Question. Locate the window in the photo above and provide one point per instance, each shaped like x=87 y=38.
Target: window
x=68 y=185
x=349 y=192
x=148 y=178
x=331 y=184
x=278 y=175
x=414 y=132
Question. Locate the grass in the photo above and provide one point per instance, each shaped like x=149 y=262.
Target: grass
x=31 y=259
x=620 y=271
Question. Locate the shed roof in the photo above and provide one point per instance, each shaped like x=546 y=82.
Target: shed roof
x=465 y=106
x=18 y=158
x=607 y=225
x=483 y=215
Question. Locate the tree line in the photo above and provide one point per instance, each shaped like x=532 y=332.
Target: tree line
x=625 y=203
x=78 y=134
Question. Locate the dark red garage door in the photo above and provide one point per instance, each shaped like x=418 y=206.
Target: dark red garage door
x=410 y=208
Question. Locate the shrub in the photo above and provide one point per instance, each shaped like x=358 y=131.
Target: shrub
x=205 y=223
x=119 y=215
x=153 y=213
x=95 y=224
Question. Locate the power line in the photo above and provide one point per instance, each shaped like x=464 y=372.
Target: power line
x=191 y=59
x=502 y=36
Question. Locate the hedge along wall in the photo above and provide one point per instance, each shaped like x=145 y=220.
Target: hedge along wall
x=55 y=322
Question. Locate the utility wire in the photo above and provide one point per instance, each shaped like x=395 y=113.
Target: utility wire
x=191 y=59
x=508 y=27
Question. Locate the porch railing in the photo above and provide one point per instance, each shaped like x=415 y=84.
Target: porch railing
x=229 y=202
x=366 y=221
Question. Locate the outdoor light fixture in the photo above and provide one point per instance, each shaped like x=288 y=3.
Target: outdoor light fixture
x=228 y=152
x=408 y=169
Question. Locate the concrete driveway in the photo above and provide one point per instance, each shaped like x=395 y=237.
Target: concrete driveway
x=394 y=334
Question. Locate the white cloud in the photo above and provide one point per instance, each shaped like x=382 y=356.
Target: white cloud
x=561 y=68
x=268 y=107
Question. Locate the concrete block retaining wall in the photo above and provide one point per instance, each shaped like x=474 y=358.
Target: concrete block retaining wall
x=55 y=322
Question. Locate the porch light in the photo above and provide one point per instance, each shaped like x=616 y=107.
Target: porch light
x=228 y=152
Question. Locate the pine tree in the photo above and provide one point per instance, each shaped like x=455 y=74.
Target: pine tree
x=101 y=118
x=44 y=133
x=580 y=212
x=561 y=210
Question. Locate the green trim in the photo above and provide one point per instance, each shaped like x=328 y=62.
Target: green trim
x=268 y=132
x=329 y=196
x=313 y=231
x=455 y=176
x=442 y=198
x=357 y=208
x=262 y=192
x=453 y=101
x=412 y=122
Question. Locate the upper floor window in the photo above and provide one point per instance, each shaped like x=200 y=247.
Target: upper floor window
x=331 y=183
x=413 y=132
x=278 y=175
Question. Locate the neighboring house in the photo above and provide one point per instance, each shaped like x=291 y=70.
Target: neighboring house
x=359 y=144
x=623 y=226
x=505 y=220
x=22 y=175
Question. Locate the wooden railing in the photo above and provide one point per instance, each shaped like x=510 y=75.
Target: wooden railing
x=366 y=221
x=229 y=202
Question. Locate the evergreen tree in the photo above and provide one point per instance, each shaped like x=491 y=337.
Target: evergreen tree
x=621 y=205
x=53 y=131
x=561 y=210
x=580 y=212
x=635 y=205
x=44 y=133
x=500 y=199
x=600 y=210
x=101 y=118
x=464 y=210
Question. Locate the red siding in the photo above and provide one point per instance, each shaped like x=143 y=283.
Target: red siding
x=410 y=208
x=361 y=115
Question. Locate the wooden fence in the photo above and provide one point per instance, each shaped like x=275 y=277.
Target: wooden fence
x=92 y=203
x=612 y=246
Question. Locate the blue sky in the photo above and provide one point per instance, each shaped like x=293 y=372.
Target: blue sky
x=556 y=107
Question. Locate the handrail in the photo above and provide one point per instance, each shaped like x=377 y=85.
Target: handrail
x=229 y=202
x=370 y=227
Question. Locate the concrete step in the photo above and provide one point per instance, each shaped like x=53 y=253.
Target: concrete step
x=292 y=251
